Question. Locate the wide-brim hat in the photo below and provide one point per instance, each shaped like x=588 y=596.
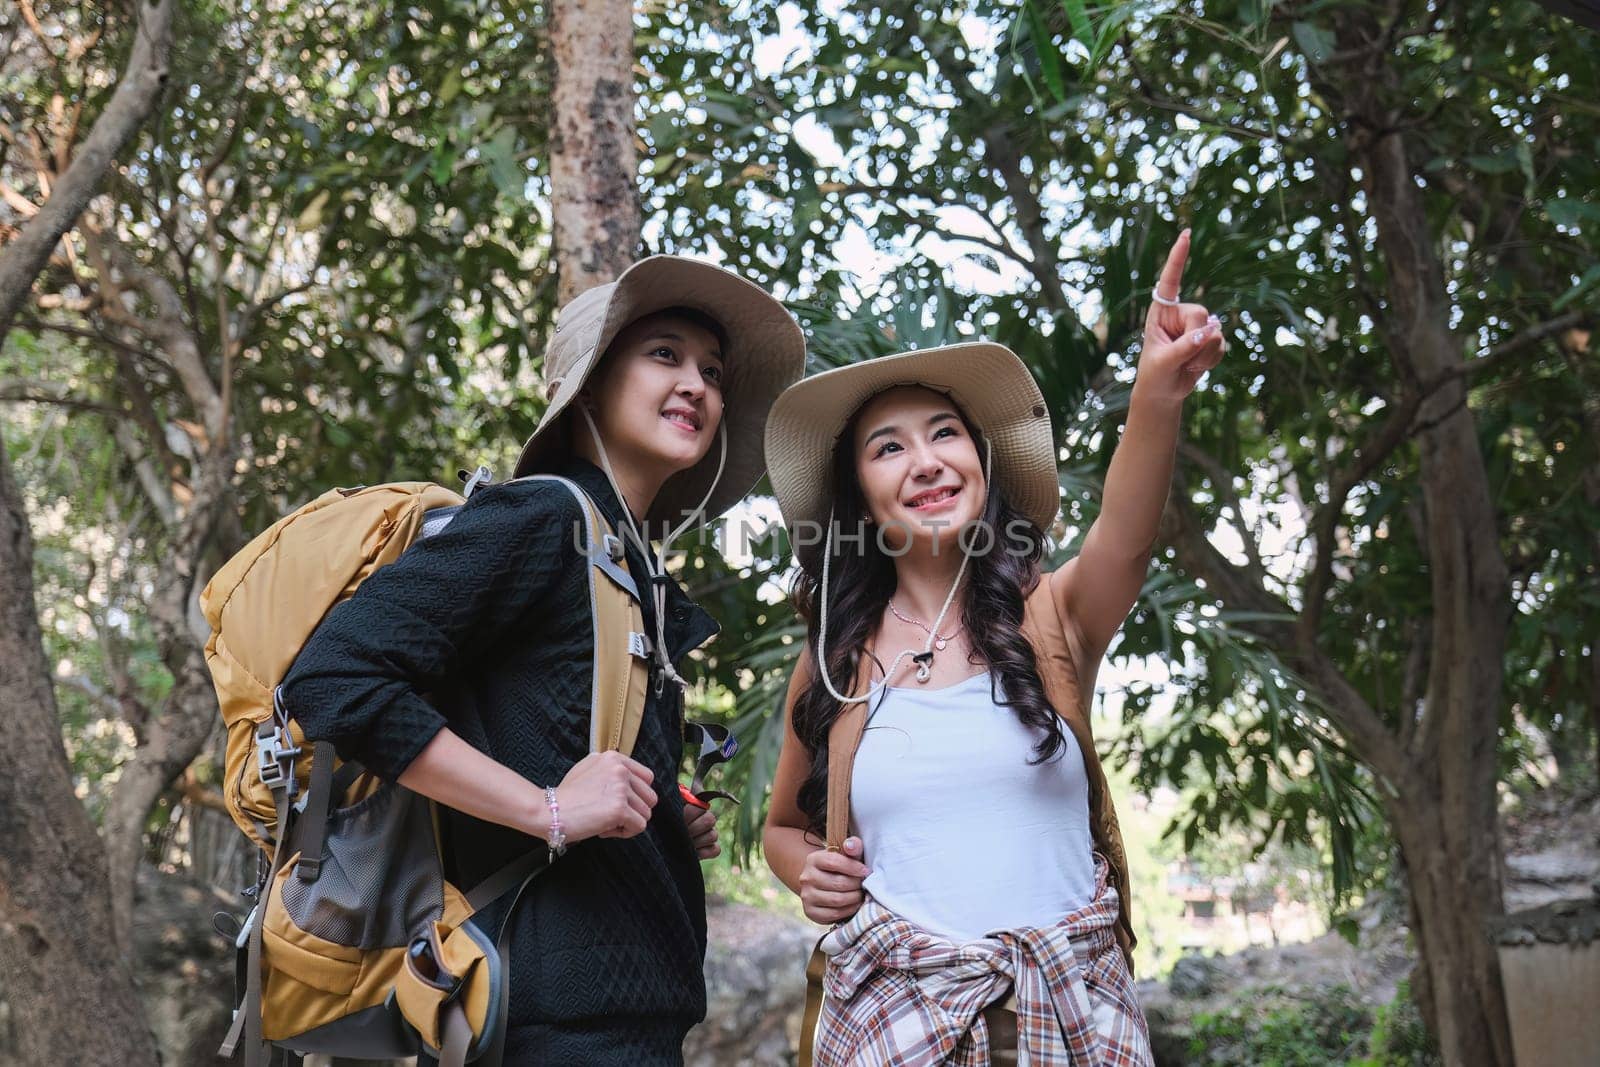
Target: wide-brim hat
x=764 y=353
x=987 y=381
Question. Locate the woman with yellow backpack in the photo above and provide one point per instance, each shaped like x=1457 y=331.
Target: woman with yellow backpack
x=466 y=670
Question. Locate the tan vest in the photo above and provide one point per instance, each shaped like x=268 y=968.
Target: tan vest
x=1045 y=630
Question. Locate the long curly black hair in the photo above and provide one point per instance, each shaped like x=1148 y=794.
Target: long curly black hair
x=861 y=580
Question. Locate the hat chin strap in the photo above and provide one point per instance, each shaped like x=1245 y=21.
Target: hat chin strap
x=927 y=648
x=657 y=564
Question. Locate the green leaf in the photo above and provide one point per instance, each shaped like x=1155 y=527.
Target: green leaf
x=500 y=155
x=444 y=161
x=1585 y=283
x=1315 y=41
x=1570 y=211
x=1106 y=36
x=717 y=111
x=1045 y=49
x=1082 y=29
x=1525 y=164
x=1501 y=163
x=451 y=87
x=1255 y=12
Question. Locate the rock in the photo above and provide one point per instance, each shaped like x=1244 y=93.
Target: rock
x=755 y=980
x=183 y=969
x=1194 y=976
x=1572 y=922
x=1560 y=872
x=755 y=988
x=1552 y=850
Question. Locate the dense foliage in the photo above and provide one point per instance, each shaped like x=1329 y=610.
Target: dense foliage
x=329 y=262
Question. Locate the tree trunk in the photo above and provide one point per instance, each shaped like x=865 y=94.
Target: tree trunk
x=1574 y=351
x=172 y=743
x=1456 y=981
x=1445 y=812
x=70 y=991
x=594 y=163
x=176 y=735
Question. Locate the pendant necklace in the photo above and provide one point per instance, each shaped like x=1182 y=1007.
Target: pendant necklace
x=940 y=641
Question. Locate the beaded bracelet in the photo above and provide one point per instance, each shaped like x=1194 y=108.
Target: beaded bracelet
x=558 y=837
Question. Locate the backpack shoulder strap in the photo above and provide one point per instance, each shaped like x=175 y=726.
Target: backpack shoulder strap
x=844 y=738
x=621 y=647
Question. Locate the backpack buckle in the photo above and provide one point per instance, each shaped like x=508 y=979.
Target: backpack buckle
x=275 y=754
x=474 y=481
x=613 y=547
x=717 y=745
x=638 y=645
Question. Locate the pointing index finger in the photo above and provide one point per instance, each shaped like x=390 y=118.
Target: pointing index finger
x=1171 y=283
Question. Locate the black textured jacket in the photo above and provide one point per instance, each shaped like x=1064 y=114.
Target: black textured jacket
x=491 y=618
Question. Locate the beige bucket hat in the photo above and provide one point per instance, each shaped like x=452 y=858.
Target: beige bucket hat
x=766 y=351
x=986 y=380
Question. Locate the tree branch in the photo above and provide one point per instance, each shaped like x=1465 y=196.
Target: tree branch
x=1324 y=524
x=157 y=484
x=1357 y=721
x=1222 y=480
x=132 y=712
x=931 y=225
x=16 y=392
x=169 y=328
x=252 y=312
x=30 y=17
x=1149 y=96
x=18 y=203
x=30 y=323
x=135 y=98
x=1414 y=680
x=1497 y=354
x=1001 y=154
x=1394 y=431
x=204 y=796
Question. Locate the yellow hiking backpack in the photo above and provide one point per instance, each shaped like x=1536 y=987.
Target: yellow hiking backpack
x=356 y=944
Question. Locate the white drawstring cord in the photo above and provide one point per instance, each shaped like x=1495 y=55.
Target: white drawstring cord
x=658 y=566
x=927 y=648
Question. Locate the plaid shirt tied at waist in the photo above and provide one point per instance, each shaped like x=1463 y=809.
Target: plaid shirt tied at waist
x=897 y=994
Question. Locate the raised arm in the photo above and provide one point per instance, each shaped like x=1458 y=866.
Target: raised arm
x=1181 y=342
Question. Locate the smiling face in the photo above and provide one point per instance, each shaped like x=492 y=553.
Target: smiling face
x=918 y=466
x=657 y=395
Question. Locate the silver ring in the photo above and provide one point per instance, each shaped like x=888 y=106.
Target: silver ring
x=1177 y=301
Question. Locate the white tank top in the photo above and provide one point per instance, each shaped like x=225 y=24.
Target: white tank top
x=963 y=835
